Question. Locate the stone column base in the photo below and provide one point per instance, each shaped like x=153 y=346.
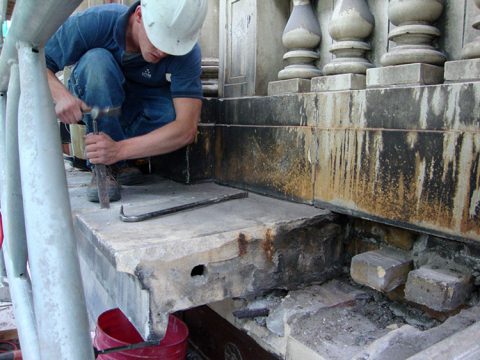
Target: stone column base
x=405 y=75
x=462 y=70
x=339 y=82
x=290 y=86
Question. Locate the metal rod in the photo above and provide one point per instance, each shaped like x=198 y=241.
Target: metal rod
x=136 y=346
x=175 y=209
x=15 y=237
x=101 y=175
x=250 y=313
x=59 y=302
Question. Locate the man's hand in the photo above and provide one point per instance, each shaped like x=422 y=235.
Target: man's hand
x=69 y=109
x=101 y=149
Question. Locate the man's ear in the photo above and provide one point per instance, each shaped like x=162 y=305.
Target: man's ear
x=138 y=13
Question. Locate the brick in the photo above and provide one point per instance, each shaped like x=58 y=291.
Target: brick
x=438 y=289
x=383 y=269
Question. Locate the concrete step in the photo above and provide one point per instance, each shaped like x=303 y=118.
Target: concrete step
x=241 y=247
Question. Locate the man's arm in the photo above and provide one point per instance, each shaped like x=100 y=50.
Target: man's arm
x=101 y=149
x=67 y=107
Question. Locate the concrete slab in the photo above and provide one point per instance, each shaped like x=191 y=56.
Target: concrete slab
x=235 y=248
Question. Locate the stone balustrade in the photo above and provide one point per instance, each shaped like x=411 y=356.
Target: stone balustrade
x=400 y=43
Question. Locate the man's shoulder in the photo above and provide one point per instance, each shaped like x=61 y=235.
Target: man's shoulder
x=105 y=9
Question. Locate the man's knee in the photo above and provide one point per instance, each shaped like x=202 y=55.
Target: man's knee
x=97 y=70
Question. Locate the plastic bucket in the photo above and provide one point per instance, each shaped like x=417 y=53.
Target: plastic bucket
x=114 y=329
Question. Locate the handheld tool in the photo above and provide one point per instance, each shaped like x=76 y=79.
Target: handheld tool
x=101 y=169
x=175 y=209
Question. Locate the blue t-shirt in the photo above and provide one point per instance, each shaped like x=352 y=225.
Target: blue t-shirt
x=105 y=27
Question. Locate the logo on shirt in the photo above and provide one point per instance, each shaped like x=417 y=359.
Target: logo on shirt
x=146 y=73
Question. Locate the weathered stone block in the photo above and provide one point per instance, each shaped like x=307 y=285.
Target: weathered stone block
x=339 y=82
x=438 y=289
x=462 y=70
x=268 y=160
x=288 y=86
x=411 y=74
x=192 y=163
x=383 y=269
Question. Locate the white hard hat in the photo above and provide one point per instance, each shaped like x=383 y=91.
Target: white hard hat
x=173 y=26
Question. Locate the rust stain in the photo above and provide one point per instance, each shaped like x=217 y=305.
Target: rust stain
x=242 y=244
x=267 y=245
x=405 y=181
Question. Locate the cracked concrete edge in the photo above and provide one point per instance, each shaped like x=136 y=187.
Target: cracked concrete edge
x=128 y=261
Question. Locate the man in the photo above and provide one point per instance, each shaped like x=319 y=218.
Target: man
x=143 y=58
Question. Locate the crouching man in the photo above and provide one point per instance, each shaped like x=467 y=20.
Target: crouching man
x=143 y=58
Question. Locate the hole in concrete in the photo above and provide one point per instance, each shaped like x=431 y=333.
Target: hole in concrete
x=198 y=270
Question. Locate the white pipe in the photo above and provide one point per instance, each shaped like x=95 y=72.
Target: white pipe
x=32 y=22
x=15 y=239
x=59 y=302
x=17 y=244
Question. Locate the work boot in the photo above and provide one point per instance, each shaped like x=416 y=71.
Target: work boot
x=112 y=185
x=127 y=175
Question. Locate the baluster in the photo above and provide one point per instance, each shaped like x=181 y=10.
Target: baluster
x=467 y=69
x=301 y=37
x=351 y=23
x=472 y=50
x=413 y=60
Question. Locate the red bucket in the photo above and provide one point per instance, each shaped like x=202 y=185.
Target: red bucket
x=114 y=329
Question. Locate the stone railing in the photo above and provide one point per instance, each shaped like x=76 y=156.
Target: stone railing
x=423 y=47
x=352 y=44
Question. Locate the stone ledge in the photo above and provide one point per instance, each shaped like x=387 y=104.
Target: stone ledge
x=150 y=269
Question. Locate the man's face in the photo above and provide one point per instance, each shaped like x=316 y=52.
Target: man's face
x=149 y=52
